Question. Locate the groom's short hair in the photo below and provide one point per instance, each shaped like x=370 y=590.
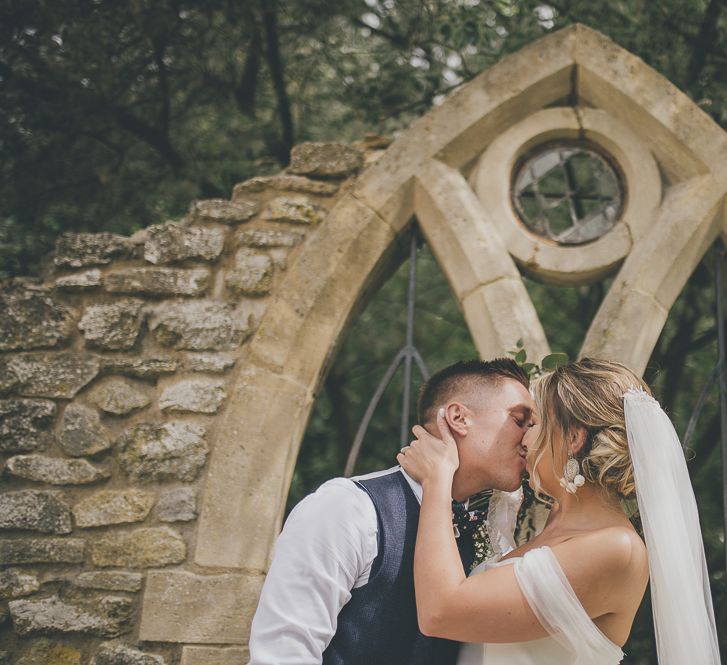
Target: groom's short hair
x=460 y=378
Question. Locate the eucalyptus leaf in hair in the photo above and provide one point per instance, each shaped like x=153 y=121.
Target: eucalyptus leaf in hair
x=533 y=370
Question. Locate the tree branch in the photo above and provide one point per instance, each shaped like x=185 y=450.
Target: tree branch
x=396 y=39
x=706 y=40
x=93 y=104
x=159 y=48
x=275 y=65
x=247 y=86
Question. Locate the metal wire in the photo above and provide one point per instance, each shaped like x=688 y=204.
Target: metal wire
x=718 y=374
x=406 y=355
x=722 y=384
x=694 y=418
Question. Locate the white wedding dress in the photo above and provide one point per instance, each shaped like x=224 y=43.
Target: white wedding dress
x=573 y=637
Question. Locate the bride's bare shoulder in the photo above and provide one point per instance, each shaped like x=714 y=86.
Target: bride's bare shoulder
x=617 y=547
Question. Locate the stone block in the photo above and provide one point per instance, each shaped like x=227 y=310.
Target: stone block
x=198 y=326
x=47 y=652
x=33 y=510
x=260 y=469
x=294 y=210
x=252 y=274
x=119 y=396
x=56 y=375
x=120 y=654
x=279 y=256
x=159 y=281
x=113 y=507
x=55 y=470
x=200 y=395
x=214 y=656
x=110 y=581
x=105 y=616
x=252 y=310
x=459 y=231
x=223 y=211
x=285 y=183
x=209 y=362
x=80 y=281
x=171 y=242
x=143 y=548
x=112 y=326
x=16 y=584
x=25 y=424
x=374 y=142
x=324 y=160
x=177 y=505
x=313 y=301
x=81 y=431
x=139 y=368
x=41 y=550
x=211 y=609
x=77 y=250
x=175 y=450
x=265 y=238
x=500 y=313
x=32 y=320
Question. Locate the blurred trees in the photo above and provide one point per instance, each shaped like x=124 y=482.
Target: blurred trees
x=116 y=114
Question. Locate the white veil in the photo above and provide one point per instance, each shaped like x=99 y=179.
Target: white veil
x=682 y=605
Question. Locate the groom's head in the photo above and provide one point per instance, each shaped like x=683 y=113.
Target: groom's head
x=488 y=408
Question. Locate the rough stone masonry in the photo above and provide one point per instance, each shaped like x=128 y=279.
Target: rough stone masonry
x=115 y=364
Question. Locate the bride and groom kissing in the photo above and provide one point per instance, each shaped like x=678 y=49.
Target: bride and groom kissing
x=372 y=571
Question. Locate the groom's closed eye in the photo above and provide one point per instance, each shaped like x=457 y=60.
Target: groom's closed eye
x=523 y=418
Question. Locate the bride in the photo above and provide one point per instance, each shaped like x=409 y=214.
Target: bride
x=570 y=594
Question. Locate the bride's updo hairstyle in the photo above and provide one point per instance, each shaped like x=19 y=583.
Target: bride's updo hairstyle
x=588 y=394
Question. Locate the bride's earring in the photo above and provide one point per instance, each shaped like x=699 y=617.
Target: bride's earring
x=572 y=478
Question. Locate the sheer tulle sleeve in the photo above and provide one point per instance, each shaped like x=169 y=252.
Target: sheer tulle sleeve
x=555 y=604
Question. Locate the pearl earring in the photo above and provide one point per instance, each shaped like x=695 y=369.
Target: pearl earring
x=572 y=478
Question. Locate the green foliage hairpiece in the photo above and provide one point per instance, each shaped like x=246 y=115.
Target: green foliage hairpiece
x=533 y=370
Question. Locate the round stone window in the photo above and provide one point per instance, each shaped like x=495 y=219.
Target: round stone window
x=567 y=191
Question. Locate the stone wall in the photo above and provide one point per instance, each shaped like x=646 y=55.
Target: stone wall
x=114 y=367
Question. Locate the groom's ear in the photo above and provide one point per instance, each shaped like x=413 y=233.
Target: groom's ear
x=456 y=415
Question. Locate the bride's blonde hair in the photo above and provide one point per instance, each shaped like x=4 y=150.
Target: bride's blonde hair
x=588 y=394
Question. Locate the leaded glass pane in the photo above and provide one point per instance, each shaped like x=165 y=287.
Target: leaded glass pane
x=568 y=192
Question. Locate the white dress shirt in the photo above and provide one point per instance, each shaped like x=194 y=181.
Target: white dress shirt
x=325 y=550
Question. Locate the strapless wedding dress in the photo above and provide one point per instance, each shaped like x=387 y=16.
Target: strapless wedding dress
x=573 y=637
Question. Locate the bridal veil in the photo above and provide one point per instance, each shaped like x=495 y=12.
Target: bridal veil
x=680 y=594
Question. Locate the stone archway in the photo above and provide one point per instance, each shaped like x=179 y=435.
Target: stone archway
x=653 y=129
x=420 y=175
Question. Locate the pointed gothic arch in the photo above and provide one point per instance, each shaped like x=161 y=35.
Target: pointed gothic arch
x=424 y=174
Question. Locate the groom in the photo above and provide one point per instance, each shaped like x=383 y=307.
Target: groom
x=340 y=590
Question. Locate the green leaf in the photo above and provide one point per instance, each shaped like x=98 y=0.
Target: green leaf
x=554 y=360
x=520 y=343
x=530 y=368
x=521 y=356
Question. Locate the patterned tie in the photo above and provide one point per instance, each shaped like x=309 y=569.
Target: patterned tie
x=471 y=523
x=464 y=520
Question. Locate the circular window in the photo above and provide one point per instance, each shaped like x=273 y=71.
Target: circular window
x=568 y=192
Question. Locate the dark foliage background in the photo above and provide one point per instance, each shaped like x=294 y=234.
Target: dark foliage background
x=116 y=114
